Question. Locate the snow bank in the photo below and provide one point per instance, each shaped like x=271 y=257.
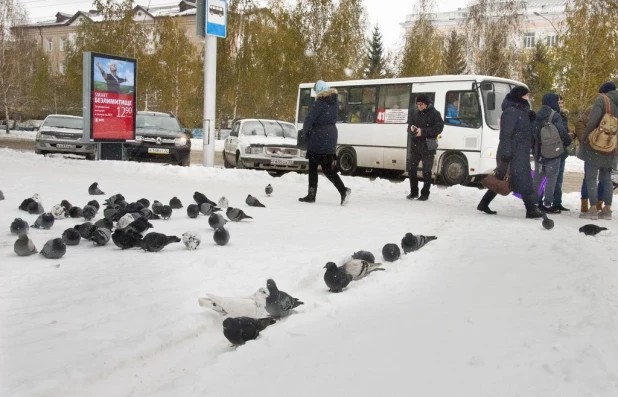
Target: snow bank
x=197 y=145
x=21 y=135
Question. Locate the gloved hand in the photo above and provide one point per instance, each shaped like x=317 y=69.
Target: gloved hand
x=502 y=169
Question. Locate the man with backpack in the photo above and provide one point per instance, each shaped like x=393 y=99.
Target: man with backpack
x=550 y=137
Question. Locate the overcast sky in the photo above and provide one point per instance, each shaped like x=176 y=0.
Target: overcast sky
x=387 y=13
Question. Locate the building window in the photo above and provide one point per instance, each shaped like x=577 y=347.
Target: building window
x=61 y=67
x=529 y=40
x=551 y=40
x=62 y=44
x=49 y=45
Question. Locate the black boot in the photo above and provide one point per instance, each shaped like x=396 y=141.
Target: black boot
x=310 y=197
x=345 y=196
x=533 y=212
x=483 y=207
x=425 y=192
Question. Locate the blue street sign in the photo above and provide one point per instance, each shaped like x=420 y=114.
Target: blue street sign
x=216 y=18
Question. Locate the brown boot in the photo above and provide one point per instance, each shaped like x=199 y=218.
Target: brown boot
x=584 y=205
x=599 y=205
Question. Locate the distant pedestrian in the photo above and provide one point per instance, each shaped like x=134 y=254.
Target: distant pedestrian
x=564 y=112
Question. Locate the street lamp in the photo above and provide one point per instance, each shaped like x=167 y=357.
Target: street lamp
x=550 y=22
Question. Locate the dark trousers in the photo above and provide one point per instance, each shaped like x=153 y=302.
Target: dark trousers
x=558 y=190
x=490 y=195
x=326 y=162
x=416 y=156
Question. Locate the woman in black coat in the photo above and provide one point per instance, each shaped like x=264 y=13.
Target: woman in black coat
x=514 y=149
x=321 y=133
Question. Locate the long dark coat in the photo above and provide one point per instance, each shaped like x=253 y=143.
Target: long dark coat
x=319 y=125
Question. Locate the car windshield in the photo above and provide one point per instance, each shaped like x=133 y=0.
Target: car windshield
x=493 y=116
x=73 y=123
x=156 y=122
x=269 y=128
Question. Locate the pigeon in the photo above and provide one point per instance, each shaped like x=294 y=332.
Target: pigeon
x=207 y=208
x=104 y=222
x=134 y=207
x=67 y=206
x=114 y=199
x=268 y=190
x=223 y=202
x=36 y=198
x=365 y=256
x=71 y=236
x=54 y=249
x=121 y=205
x=253 y=202
x=547 y=223
x=127 y=238
x=156 y=207
x=148 y=214
x=95 y=204
x=94 y=190
x=175 y=203
x=89 y=212
x=85 y=230
x=1 y=195
x=591 y=230
x=166 y=212
x=411 y=243
x=236 y=214
x=201 y=198
x=155 y=242
x=19 y=226
x=44 y=221
x=279 y=304
x=24 y=204
x=336 y=278
x=253 y=306
x=216 y=221
x=125 y=220
x=239 y=330
x=59 y=212
x=191 y=240
x=100 y=236
x=35 y=208
x=391 y=252
x=24 y=246
x=140 y=225
x=193 y=211
x=75 y=212
x=221 y=236
x=144 y=202
x=358 y=268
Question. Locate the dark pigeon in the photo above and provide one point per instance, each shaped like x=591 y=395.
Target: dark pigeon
x=95 y=204
x=94 y=190
x=279 y=304
x=253 y=202
x=239 y=330
x=1 y=195
x=89 y=212
x=112 y=214
x=268 y=190
x=391 y=252
x=591 y=230
x=155 y=242
x=411 y=243
x=207 y=208
x=67 y=206
x=35 y=208
x=85 y=230
x=24 y=204
x=144 y=202
x=216 y=221
x=71 y=236
x=140 y=225
x=166 y=212
x=24 y=246
x=148 y=214
x=135 y=207
x=175 y=203
x=106 y=223
x=236 y=214
x=221 y=236
x=44 y=221
x=19 y=226
x=547 y=223
x=336 y=278
x=54 y=249
x=121 y=205
x=76 y=212
x=156 y=207
x=100 y=236
x=201 y=198
x=365 y=256
x=127 y=238
x=193 y=211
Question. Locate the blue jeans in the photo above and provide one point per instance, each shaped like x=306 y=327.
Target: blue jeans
x=558 y=190
x=600 y=189
x=604 y=176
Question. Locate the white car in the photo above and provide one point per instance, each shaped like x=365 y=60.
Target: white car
x=264 y=144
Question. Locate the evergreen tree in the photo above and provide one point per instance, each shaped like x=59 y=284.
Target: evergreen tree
x=453 y=57
x=539 y=72
x=422 y=46
x=375 y=63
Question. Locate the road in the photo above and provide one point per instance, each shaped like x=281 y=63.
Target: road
x=572 y=181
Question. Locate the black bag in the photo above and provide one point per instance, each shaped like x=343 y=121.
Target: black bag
x=301 y=140
x=432 y=143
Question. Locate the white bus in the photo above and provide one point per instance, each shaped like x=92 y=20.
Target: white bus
x=373 y=116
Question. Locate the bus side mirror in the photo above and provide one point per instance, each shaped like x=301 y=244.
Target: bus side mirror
x=491 y=100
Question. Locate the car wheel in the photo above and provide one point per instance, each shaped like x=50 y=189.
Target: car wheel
x=455 y=170
x=226 y=163
x=185 y=163
x=346 y=161
x=239 y=163
x=91 y=157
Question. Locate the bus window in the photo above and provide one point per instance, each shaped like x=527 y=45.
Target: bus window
x=492 y=116
x=462 y=109
x=342 y=101
x=361 y=107
x=393 y=104
x=305 y=102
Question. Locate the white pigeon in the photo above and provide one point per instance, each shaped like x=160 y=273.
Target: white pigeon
x=253 y=306
x=59 y=212
x=36 y=198
x=223 y=202
x=125 y=221
x=191 y=240
x=358 y=268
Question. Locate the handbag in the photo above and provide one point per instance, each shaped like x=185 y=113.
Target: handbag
x=497 y=185
x=431 y=143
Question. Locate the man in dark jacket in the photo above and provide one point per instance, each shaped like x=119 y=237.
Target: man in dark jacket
x=321 y=133
x=424 y=126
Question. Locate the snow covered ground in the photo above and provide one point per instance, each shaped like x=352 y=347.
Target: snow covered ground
x=497 y=306
x=21 y=135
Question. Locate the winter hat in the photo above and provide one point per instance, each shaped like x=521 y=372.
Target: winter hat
x=552 y=100
x=423 y=99
x=321 y=86
x=607 y=87
x=519 y=91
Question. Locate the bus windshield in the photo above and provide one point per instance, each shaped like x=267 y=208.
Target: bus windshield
x=493 y=115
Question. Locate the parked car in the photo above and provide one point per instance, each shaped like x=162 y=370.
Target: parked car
x=264 y=144
x=159 y=138
x=62 y=133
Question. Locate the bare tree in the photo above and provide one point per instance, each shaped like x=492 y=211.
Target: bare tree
x=423 y=44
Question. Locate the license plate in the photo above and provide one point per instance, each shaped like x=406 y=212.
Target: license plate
x=158 y=151
x=281 y=162
x=65 y=146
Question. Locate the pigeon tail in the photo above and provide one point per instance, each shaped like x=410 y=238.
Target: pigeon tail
x=431 y=238
x=246 y=217
x=297 y=303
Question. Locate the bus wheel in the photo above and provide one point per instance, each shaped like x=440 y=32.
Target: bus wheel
x=455 y=170
x=346 y=161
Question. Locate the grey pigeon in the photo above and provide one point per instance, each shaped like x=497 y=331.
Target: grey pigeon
x=19 y=226
x=591 y=230
x=155 y=242
x=85 y=230
x=207 y=208
x=140 y=225
x=391 y=252
x=44 y=221
x=135 y=207
x=191 y=240
x=148 y=214
x=104 y=222
x=239 y=330
x=75 y=212
x=144 y=202
x=216 y=221
x=166 y=212
x=236 y=214
x=1 y=195
x=101 y=236
x=24 y=246
x=364 y=255
x=71 y=236
x=67 y=206
x=127 y=238
x=411 y=243
x=201 y=198
x=89 y=212
x=112 y=214
x=193 y=211
x=268 y=190
x=156 y=207
x=253 y=202
x=547 y=223
x=175 y=203
x=54 y=249
x=24 y=204
x=279 y=304
x=94 y=190
x=95 y=204
x=223 y=202
x=336 y=278
x=35 y=208
x=221 y=236
x=358 y=268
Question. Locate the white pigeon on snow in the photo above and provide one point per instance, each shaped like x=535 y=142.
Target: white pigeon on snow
x=358 y=268
x=253 y=306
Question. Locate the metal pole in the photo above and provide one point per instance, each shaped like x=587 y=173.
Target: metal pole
x=210 y=94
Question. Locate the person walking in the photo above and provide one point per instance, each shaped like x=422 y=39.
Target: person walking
x=558 y=191
x=424 y=126
x=321 y=133
x=513 y=154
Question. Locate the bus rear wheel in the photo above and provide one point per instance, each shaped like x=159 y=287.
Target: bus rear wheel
x=455 y=170
x=346 y=161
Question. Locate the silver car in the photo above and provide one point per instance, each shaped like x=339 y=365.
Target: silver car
x=61 y=133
